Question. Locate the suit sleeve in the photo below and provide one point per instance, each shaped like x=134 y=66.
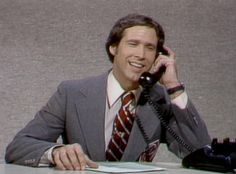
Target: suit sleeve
x=189 y=126
x=185 y=122
x=39 y=134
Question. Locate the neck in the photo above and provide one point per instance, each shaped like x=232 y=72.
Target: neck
x=128 y=87
x=125 y=83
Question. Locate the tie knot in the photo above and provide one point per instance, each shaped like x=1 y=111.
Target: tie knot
x=127 y=98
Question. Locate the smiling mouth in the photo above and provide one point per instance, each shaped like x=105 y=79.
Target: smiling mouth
x=136 y=65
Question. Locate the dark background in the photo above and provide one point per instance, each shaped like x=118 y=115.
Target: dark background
x=43 y=42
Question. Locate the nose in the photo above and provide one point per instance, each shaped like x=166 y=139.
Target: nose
x=140 y=52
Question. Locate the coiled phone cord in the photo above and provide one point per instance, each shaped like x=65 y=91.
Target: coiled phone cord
x=159 y=113
x=145 y=136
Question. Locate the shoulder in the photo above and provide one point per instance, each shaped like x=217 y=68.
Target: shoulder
x=84 y=83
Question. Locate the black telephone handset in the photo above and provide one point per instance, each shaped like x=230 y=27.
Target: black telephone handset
x=219 y=157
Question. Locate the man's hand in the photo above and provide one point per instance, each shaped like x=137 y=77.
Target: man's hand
x=170 y=78
x=71 y=157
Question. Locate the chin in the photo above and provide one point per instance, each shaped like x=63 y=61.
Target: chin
x=135 y=78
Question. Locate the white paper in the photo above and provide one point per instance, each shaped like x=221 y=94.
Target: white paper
x=125 y=167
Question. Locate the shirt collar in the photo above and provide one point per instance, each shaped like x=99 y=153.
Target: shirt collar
x=114 y=90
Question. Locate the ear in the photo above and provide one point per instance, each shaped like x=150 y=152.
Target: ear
x=113 y=49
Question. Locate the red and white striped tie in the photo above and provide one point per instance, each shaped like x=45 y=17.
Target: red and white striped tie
x=123 y=124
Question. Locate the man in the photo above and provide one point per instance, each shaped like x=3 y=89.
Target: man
x=85 y=112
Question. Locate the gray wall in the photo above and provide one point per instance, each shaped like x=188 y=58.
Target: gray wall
x=47 y=41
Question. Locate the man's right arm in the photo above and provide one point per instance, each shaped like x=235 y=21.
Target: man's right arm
x=40 y=134
x=36 y=143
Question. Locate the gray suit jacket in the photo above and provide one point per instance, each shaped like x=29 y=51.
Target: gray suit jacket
x=76 y=111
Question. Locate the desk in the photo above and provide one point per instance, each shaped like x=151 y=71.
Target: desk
x=170 y=168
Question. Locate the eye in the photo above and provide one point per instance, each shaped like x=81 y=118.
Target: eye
x=151 y=47
x=132 y=43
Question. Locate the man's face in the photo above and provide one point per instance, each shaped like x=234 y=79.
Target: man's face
x=134 y=55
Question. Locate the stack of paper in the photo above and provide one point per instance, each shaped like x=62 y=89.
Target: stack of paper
x=125 y=167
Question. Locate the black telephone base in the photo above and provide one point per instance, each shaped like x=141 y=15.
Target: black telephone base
x=219 y=157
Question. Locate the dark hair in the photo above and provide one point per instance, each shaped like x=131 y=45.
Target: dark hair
x=131 y=20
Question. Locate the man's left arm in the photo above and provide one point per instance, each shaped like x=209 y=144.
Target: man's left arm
x=188 y=125
x=183 y=117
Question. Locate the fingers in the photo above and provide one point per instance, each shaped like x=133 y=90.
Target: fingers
x=57 y=159
x=163 y=60
x=71 y=157
x=170 y=77
x=171 y=53
x=80 y=160
x=91 y=163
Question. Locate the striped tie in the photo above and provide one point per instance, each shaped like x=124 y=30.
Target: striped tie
x=123 y=124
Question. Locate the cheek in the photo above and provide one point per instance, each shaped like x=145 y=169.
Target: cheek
x=151 y=60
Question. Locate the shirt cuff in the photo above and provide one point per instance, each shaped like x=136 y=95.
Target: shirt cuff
x=181 y=100
x=47 y=159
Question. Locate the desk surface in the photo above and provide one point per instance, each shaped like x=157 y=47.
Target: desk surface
x=16 y=169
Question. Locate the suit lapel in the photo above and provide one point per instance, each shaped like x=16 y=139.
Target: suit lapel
x=91 y=112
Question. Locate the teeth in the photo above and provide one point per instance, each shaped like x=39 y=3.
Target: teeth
x=138 y=65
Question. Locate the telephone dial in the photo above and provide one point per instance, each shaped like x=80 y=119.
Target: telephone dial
x=220 y=156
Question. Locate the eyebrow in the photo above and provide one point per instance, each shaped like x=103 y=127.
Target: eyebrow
x=147 y=44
